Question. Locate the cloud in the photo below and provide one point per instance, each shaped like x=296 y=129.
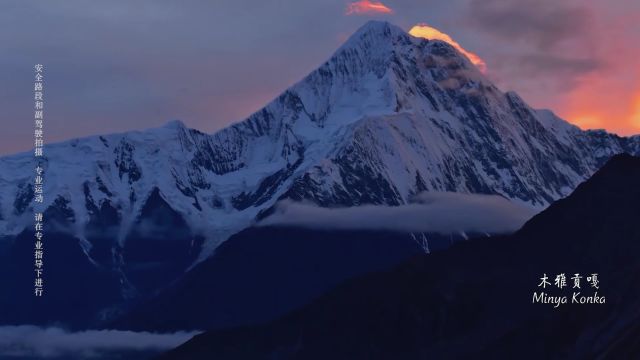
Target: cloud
x=428 y=32
x=366 y=7
x=544 y=23
x=51 y=342
x=546 y=38
x=569 y=70
x=439 y=212
x=578 y=58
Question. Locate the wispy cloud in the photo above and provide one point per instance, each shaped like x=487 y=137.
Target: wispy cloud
x=444 y=213
x=547 y=28
x=26 y=341
x=367 y=7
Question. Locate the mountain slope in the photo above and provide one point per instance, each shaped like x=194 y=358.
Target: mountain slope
x=386 y=117
x=262 y=273
x=475 y=300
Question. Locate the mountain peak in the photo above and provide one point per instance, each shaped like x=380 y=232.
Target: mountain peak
x=174 y=124
x=375 y=32
x=383 y=31
x=382 y=44
x=379 y=26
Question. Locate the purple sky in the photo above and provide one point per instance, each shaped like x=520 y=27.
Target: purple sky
x=119 y=65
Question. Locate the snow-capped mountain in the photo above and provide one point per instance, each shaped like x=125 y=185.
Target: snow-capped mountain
x=387 y=116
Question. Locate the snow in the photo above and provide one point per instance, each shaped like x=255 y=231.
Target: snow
x=372 y=95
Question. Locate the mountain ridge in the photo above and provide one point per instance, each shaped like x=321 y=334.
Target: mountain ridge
x=387 y=116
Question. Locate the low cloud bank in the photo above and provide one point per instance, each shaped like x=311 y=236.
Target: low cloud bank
x=437 y=212
x=27 y=341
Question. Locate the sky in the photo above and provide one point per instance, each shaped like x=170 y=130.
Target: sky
x=119 y=65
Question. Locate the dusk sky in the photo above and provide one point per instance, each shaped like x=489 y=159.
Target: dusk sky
x=119 y=65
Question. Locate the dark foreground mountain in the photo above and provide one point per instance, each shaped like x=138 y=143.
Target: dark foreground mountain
x=264 y=272
x=475 y=300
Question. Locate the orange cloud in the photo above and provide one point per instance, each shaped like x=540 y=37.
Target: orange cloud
x=427 y=32
x=635 y=117
x=609 y=97
x=367 y=7
x=612 y=109
x=599 y=105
